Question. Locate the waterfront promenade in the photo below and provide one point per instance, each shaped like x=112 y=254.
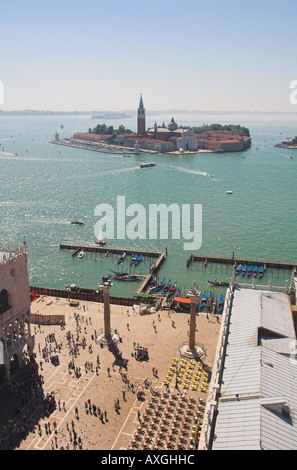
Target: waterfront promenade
x=100 y=380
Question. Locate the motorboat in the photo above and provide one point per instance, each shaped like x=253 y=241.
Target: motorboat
x=243 y=272
x=146 y=165
x=255 y=271
x=261 y=271
x=100 y=242
x=80 y=254
x=77 y=222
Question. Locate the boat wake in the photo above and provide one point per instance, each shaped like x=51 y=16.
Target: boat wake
x=7 y=153
x=119 y=170
x=192 y=171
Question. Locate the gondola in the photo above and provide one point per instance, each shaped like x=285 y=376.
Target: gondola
x=171 y=290
x=156 y=289
x=166 y=288
x=221 y=304
x=238 y=270
x=117 y=273
x=129 y=277
x=151 y=285
x=243 y=272
x=219 y=283
x=255 y=271
x=250 y=271
x=261 y=271
x=134 y=258
x=203 y=300
x=122 y=258
x=138 y=260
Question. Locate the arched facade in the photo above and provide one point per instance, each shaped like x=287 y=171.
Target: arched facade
x=15 y=313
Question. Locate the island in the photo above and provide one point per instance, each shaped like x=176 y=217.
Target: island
x=170 y=138
x=289 y=144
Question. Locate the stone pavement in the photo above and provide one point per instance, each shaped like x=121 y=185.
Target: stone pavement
x=74 y=423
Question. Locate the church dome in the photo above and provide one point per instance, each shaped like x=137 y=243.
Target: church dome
x=172 y=126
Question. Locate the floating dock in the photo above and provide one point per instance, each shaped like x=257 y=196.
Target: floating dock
x=236 y=261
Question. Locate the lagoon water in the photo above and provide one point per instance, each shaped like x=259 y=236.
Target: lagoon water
x=43 y=187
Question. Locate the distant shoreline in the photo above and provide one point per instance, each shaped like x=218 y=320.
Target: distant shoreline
x=31 y=112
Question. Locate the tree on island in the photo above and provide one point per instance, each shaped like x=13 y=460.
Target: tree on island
x=103 y=129
x=234 y=129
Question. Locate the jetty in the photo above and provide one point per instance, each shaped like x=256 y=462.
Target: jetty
x=158 y=256
x=236 y=261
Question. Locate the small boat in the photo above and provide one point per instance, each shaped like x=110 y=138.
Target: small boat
x=156 y=289
x=221 y=304
x=219 y=283
x=171 y=290
x=100 y=242
x=166 y=288
x=147 y=165
x=250 y=271
x=243 y=272
x=238 y=270
x=255 y=271
x=203 y=300
x=134 y=258
x=122 y=258
x=261 y=271
x=229 y=192
x=126 y=278
x=77 y=222
x=80 y=254
x=209 y=300
x=151 y=285
x=138 y=260
x=117 y=273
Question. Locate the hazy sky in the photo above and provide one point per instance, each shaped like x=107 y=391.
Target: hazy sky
x=181 y=54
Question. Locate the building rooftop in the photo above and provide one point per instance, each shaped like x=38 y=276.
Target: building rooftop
x=257 y=404
x=8 y=253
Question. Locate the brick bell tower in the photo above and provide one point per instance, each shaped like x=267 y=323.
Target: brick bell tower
x=141 y=118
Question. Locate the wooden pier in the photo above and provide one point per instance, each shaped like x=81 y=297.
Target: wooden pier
x=105 y=249
x=160 y=257
x=236 y=261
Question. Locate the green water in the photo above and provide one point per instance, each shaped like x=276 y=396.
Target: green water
x=45 y=186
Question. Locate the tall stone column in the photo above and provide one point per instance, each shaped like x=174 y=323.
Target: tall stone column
x=106 y=299
x=193 y=310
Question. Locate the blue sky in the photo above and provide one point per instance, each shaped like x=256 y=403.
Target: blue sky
x=190 y=54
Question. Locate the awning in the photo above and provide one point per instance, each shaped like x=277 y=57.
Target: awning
x=182 y=300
